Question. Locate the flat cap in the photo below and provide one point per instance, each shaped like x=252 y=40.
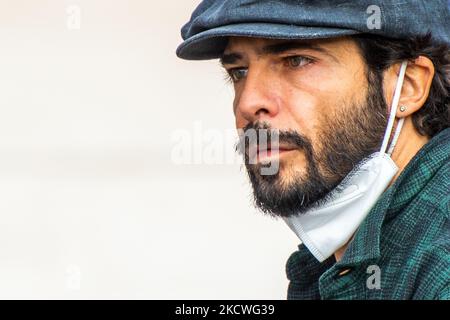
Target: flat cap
x=213 y=21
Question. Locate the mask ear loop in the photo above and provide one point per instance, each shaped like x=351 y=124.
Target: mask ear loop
x=395 y=102
x=396 y=135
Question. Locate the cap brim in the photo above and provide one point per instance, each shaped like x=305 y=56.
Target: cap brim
x=210 y=44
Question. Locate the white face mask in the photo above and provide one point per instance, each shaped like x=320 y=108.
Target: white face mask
x=326 y=228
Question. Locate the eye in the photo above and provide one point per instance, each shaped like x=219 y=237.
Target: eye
x=237 y=74
x=297 y=61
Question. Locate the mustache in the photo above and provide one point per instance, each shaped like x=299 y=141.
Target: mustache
x=253 y=135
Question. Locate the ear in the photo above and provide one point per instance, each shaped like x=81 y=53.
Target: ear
x=416 y=86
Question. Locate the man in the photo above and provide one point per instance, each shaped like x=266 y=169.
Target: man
x=354 y=97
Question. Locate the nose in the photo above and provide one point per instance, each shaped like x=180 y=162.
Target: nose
x=256 y=99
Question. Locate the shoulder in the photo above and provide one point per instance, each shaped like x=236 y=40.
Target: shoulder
x=434 y=268
x=444 y=294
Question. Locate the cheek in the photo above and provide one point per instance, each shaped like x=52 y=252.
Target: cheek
x=313 y=99
x=239 y=119
x=240 y=123
x=301 y=110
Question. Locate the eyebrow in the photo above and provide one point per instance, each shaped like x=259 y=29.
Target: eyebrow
x=230 y=58
x=277 y=48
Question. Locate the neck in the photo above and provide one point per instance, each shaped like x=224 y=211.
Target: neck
x=408 y=144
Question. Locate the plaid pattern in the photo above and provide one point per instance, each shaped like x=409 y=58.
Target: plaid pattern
x=406 y=235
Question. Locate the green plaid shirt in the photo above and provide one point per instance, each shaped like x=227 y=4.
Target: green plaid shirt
x=401 y=250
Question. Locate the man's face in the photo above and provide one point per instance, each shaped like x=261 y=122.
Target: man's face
x=329 y=115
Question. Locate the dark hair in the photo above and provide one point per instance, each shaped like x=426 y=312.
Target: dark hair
x=380 y=53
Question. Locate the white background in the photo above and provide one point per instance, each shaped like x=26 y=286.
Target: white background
x=91 y=203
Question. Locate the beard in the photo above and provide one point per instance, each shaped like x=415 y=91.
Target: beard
x=347 y=137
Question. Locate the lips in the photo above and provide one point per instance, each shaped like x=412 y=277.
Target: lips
x=260 y=153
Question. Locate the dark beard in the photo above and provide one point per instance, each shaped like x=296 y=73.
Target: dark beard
x=347 y=138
